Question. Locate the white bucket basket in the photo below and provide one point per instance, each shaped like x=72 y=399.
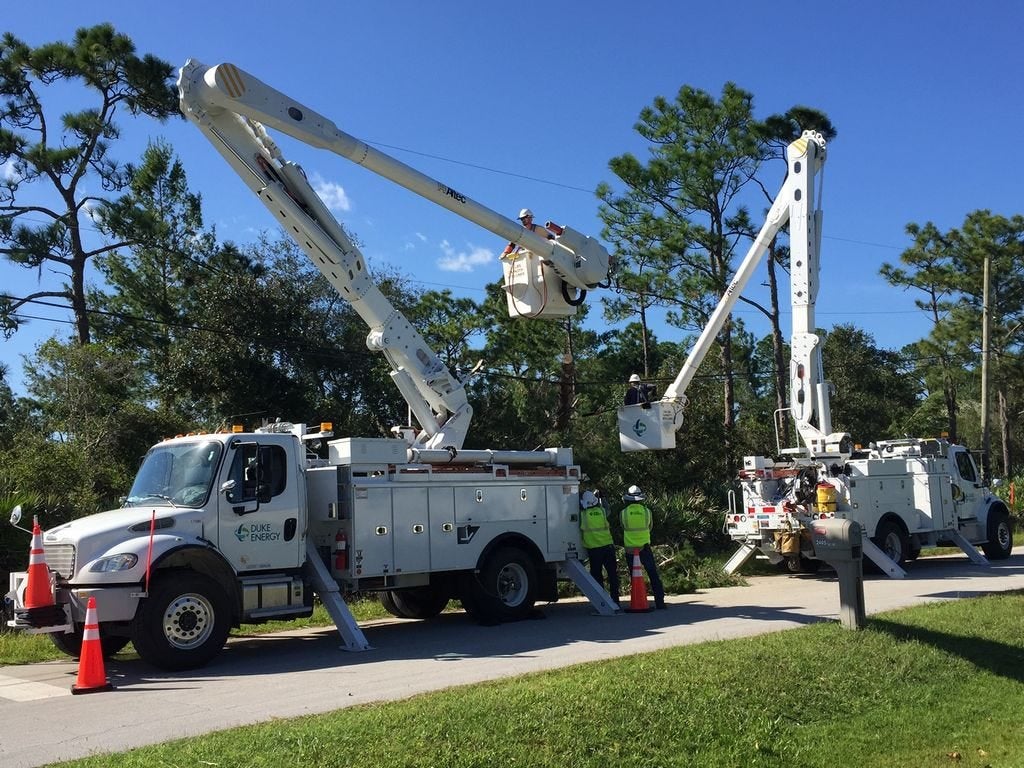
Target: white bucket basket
x=647 y=427
x=532 y=289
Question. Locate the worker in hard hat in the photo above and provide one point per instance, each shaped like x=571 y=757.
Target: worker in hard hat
x=636 y=537
x=638 y=392
x=526 y=219
x=597 y=540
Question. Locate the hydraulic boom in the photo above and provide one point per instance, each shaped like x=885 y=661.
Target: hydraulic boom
x=653 y=425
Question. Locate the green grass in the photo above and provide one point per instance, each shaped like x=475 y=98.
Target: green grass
x=935 y=685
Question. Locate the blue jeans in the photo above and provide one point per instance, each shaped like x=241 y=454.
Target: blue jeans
x=603 y=559
x=647 y=560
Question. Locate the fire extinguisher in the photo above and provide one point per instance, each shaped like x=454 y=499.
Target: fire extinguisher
x=340 y=551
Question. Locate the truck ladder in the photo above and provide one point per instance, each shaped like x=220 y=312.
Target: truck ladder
x=593 y=591
x=889 y=566
x=329 y=593
x=739 y=557
x=969 y=549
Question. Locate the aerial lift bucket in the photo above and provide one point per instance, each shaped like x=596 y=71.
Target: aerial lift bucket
x=647 y=426
x=533 y=289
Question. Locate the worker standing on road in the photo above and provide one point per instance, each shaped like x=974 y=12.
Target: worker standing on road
x=597 y=539
x=636 y=535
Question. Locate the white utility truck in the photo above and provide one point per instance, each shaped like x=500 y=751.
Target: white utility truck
x=905 y=494
x=230 y=528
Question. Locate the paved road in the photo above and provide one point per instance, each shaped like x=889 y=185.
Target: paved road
x=295 y=673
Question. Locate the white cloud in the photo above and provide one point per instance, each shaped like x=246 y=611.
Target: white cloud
x=91 y=209
x=7 y=172
x=422 y=237
x=332 y=194
x=463 y=261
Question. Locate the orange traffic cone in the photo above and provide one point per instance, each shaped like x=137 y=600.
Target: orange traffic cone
x=37 y=591
x=637 y=587
x=91 y=677
x=39 y=608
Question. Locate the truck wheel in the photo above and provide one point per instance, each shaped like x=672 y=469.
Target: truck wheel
x=1000 y=535
x=800 y=564
x=387 y=599
x=183 y=623
x=71 y=642
x=420 y=602
x=891 y=539
x=504 y=590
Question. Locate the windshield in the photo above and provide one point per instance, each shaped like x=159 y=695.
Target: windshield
x=179 y=474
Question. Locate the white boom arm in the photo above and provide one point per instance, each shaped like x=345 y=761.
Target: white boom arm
x=643 y=427
x=579 y=260
x=436 y=397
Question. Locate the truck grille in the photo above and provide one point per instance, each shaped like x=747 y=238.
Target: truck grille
x=61 y=558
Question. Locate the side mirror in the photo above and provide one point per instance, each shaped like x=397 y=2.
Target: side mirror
x=16 y=518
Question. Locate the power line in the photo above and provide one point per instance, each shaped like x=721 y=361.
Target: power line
x=483 y=167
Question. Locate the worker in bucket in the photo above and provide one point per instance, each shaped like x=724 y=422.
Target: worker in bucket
x=597 y=539
x=636 y=535
x=526 y=219
x=638 y=392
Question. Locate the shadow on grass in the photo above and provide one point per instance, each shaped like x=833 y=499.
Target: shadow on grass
x=998 y=658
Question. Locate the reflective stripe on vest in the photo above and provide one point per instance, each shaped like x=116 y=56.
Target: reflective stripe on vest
x=636 y=526
x=594 y=526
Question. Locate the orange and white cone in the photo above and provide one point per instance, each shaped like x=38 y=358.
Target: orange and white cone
x=38 y=593
x=637 y=587
x=91 y=676
x=39 y=609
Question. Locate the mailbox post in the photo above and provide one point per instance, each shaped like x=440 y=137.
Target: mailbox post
x=838 y=543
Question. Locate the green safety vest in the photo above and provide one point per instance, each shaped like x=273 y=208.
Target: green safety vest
x=636 y=526
x=595 y=529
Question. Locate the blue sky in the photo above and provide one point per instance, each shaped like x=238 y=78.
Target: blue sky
x=527 y=101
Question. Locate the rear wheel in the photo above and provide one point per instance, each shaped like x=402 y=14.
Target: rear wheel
x=504 y=590
x=890 y=538
x=415 y=602
x=183 y=623
x=387 y=599
x=1000 y=535
x=421 y=602
x=800 y=564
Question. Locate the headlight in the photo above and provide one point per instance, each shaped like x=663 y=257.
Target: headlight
x=114 y=563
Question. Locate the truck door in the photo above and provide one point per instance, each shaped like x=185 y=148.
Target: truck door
x=967 y=491
x=258 y=508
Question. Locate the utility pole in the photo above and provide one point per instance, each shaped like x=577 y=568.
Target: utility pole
x=985 y=441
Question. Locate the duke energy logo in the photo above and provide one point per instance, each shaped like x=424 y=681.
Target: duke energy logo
x=257 y=532
x=639 y=428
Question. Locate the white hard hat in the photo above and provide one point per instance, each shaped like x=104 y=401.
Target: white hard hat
x=633 y=494
x=634 y=377
x=524 y=213
x=588 y=500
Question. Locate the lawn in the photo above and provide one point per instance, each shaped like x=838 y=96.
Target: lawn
x=935 y=685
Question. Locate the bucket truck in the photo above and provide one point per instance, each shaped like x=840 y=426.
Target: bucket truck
x=905 y=494
x=243 y=527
